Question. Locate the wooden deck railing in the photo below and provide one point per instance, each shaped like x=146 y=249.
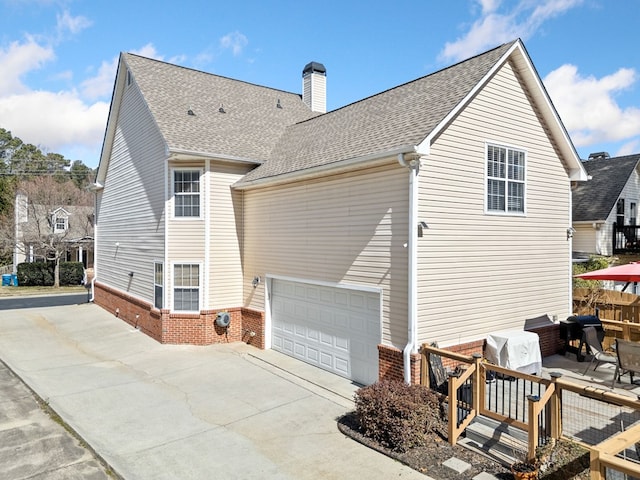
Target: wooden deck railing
x=542 y=416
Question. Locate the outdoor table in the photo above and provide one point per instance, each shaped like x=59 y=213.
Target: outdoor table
x=516 y=350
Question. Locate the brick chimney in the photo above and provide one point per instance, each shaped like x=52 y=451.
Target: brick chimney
x=314 y=87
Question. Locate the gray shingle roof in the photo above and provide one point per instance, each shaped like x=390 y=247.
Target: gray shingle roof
x=404 y=115
x=292 y=138
x=249 y=128
x=594 y=200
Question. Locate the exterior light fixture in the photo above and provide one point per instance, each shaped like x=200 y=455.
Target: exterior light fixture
x=570 y=232
x=255 y=282
x=421 y=227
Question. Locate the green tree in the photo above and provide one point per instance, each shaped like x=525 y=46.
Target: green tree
x=81 y=175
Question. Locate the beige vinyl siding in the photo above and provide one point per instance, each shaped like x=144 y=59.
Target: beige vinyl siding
x=585 y=238
x=186 y=238
x=348 y=228
x=225 y=268
x=213 y=240
x=482 y=272
x=131 y=207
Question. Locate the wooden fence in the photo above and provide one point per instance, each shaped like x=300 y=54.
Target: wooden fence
x=609 y=304
x=542 y=415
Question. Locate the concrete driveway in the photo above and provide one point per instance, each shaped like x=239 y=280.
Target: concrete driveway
x=166 y=411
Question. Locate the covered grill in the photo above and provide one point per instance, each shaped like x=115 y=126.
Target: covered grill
x=571 y=329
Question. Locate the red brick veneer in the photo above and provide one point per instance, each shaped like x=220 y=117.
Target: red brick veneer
x=246 y=325
x=391 y=365
x=550 y=341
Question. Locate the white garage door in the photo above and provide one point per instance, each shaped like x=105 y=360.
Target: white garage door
x=337 y=329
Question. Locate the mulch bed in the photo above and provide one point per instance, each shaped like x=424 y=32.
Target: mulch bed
x=429 y=459
x=568 y=463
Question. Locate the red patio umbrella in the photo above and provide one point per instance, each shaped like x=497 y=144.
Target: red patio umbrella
x=629 y=272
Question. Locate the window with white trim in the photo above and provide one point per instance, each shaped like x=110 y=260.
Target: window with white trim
x=158 y=284
x=505 y=180
x=186 y=191
x=60 y=224
x=186 y=287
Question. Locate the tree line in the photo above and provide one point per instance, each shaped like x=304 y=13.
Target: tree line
x=26 y=168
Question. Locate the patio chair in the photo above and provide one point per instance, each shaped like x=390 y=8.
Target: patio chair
x=628 y=359
x=597 y=353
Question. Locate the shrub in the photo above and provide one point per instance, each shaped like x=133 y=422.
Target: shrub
x=36 y=274
x=41 y=274
x=71 y=273
x=396 y=415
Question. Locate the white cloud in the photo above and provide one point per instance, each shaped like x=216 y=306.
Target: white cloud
x=235 y=41
x=18 y=59
x=588 y=107
x=54 y=120
x=628 y=148
x=101 y=84
x=494 y=27
x=73 y=25
x=149 y=51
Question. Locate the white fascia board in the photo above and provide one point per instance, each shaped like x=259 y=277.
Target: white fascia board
x=537 y=89
x=340 y=165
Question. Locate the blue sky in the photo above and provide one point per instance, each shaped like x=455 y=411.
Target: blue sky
x=58 y=57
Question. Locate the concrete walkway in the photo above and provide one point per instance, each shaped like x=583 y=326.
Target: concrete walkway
x=166 y=412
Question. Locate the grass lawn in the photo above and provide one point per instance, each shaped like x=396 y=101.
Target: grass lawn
x=25 y=291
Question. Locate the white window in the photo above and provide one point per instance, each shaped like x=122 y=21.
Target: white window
x=505 y=180
x=158 y=284
x=60 y=224
x=186 y=287
x=186 y=191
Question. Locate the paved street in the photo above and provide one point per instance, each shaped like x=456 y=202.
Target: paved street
x=33 y=445
x=12 y=303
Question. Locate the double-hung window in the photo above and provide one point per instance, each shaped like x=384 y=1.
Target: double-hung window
x=60 y=224
x=186 y=190
x=186 y=287
x=505 y=180
x=158 y=284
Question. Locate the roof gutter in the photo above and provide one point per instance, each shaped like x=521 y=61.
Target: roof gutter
x=176 y=153
x=413 y=164
x=321 y=169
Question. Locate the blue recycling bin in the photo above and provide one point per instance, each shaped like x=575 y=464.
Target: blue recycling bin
x=6 y=279
x=14 y=279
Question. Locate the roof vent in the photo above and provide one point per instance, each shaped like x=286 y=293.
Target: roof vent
x=314 y=87
x=599 y=155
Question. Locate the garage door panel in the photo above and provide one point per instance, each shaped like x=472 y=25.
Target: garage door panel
x=326 y=361
x=287 y=346
x=312 y=355
x=337 y=329
x=342 y=344
x=342 y=365
x=326 y=339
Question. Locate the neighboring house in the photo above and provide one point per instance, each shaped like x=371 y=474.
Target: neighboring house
x=436 y=211
x=612 y=195
x=39 y=228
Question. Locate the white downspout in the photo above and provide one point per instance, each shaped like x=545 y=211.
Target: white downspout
x=412 y=254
